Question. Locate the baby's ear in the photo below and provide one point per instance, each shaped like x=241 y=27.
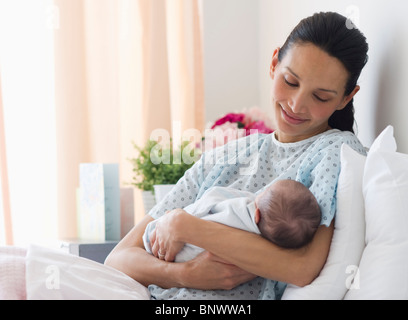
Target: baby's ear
x=257 y=215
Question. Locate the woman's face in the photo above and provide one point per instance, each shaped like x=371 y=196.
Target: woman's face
x=308 y=87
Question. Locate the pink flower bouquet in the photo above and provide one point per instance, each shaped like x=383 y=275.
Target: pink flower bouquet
x=233 y=126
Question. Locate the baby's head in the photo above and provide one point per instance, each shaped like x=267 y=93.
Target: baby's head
x=287 y=214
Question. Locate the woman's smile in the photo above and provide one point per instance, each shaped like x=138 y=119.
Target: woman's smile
x=291 y=118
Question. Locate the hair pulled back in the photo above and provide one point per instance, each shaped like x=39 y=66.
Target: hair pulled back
x=338 y=37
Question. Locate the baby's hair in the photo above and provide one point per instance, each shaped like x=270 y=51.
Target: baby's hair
x=290 y=214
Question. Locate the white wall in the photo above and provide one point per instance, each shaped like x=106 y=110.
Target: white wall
x=231 y=49
x=241 y=34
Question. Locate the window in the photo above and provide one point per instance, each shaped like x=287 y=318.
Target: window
x=26 y=62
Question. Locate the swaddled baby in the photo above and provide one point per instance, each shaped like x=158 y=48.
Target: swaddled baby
x=286 y=213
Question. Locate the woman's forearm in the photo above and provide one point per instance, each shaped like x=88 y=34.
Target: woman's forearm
x=130 y=257
x=257 y=255
x=145 y=268
x=203 y=272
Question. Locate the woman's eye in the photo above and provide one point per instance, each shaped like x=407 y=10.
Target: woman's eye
x=320 y=99
x=294 y=85
x=290 y=83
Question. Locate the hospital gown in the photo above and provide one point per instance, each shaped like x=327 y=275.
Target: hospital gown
x=254 y=162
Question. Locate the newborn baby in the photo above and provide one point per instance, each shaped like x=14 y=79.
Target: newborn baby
x=286 y=213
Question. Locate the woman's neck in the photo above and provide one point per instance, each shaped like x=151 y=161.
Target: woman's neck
x=286 y=138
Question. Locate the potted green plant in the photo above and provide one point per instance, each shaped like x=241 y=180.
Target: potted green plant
x=160 y=165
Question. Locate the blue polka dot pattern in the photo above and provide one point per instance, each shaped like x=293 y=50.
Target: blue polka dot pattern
x=252 y=164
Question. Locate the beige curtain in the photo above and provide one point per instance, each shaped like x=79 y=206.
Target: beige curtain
x=123 y=68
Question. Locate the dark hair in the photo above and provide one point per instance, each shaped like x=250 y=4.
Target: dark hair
x=290 y=214
x=337 y=36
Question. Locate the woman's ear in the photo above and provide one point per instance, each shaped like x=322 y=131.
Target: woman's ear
x=348 y=98
x=274 y=62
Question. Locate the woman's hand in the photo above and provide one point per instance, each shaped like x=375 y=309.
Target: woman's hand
x=164 y=241
x=208 y=271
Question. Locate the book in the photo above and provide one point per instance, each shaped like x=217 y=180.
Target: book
x=99 y=202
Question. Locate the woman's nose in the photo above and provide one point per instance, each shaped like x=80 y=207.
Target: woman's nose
x=297 y=103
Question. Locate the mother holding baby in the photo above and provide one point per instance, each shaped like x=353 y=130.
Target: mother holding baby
x=314 y=79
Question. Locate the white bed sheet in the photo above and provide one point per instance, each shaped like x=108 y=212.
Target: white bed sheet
x=54 y=274
x=12 y=273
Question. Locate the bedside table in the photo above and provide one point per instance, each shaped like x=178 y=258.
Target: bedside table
x=96 y=251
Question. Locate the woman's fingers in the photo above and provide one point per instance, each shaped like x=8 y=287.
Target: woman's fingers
x=154 y=244
x=171 y=252
x=153 y=238
x=158 y=250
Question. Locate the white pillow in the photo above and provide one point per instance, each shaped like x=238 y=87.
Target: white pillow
x=384 y=264
x=348 y=238
x=385 y=141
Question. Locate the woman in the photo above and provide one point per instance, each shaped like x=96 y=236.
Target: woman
x=314 y=79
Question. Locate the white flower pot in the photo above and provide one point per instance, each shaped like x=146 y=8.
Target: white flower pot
x=149 y=200
x=160 y=191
